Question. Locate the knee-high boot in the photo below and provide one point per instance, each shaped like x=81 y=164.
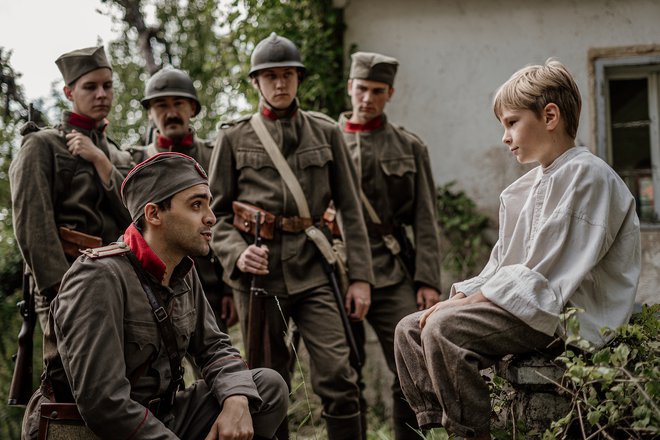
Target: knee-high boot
x=343 y=427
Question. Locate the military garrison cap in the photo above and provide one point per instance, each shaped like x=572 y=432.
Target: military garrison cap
x=373 y=67
x=75 y=64
x=158 y=178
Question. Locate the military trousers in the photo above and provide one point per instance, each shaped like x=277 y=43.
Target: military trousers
x=388 y=306
x=196 y=408
x=439 y=366
x=317 y=318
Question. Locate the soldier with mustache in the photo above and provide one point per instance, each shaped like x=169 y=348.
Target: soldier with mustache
x=171 y=102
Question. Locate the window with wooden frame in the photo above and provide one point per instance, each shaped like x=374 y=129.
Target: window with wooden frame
x=627 y=104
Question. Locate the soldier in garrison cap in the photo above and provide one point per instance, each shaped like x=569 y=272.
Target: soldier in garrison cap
x=65 y=180
x=397 y=192
x=127 y=312
x=171 y=101
x=288 y=265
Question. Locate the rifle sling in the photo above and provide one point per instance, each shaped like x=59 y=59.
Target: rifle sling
x=282 y=166
x=165 y=325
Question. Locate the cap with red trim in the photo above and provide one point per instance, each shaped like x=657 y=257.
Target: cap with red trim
x=158 y=178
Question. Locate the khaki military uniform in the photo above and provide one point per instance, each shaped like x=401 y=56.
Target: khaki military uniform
x=395 y=175
x=208 y=268
x=103 y=349
x=51 y=188
x=241 y=170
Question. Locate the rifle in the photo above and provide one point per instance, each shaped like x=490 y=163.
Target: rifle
x=21 y=382
x=329 y=269
x=258 y=335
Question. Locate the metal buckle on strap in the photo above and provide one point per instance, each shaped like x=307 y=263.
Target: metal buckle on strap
x=161 y=314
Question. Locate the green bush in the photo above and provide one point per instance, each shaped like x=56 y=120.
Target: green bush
x=615 y=391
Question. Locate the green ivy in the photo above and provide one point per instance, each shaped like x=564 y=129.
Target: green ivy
x=614 y=391
x=463 y=228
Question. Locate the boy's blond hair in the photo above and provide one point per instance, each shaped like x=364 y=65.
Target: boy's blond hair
x=534 y=87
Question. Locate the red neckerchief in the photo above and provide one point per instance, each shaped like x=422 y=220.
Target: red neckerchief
x=164 y=142
x=375 y=123
x=83 y=122
x=145 y=255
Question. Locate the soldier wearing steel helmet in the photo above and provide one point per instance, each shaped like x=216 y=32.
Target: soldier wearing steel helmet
x=287 y=265
x=171 y=102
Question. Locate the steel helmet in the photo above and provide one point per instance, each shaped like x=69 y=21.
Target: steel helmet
x=170 y=82
x=275 y=51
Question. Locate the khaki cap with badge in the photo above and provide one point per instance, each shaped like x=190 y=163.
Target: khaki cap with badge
x=373 y=67
x=158 y=178
x=76 y=63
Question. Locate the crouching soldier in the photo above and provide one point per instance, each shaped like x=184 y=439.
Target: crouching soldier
x=127 y=313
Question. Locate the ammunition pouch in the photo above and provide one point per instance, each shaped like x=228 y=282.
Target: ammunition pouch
x=245 y=218
x=74 y=241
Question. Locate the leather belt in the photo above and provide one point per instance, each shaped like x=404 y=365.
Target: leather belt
x=294 y=224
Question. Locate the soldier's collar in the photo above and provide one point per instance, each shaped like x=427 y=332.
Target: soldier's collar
x=164 y=142
x=274 y=114
x=148 y=259
x=374 y=124
x=77 y=120
x=150 y=262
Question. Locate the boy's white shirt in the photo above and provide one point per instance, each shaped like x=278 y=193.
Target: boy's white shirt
x=568 y=236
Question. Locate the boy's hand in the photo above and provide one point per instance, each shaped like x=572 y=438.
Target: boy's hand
x=234 y=421
x=457 y=300
x=427 y=297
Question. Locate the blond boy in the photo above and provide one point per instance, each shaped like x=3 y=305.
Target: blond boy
x=568 y=237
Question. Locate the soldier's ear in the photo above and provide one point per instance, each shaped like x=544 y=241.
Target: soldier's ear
x=390 y=93
x=349 y=87
x=152 y=215
x=68 y=92
x=255 y=83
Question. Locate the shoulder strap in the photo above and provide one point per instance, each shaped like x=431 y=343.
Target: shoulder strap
x=373 y=216
x=165 y=325
x=281 y=164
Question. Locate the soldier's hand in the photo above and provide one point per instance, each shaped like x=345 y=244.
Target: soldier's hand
x=426 y=297
x=228 y=311
x=358 y=300
x=234 y=421
x=81 y=145
x=254 y=260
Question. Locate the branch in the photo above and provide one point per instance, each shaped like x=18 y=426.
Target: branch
x=134 y=18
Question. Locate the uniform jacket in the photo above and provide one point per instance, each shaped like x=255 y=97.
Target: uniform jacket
x=394 y=168
x=51 y=188
x=242 y=170
x=569 y=237
x=200 y=150
x=103 y=339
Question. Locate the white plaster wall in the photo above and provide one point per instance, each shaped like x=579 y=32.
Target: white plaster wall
x=454 y=55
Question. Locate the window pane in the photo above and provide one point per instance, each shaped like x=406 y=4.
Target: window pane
x=631 y=139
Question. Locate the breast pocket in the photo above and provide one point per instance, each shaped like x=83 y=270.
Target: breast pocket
x=141 y=341
x=400 y=179
x=256 y=159
x=317 y=156
x=65 y=168
x=399 y=166
x=184 y=325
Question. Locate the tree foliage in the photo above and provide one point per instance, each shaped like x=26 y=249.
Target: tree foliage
x=212 y=41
